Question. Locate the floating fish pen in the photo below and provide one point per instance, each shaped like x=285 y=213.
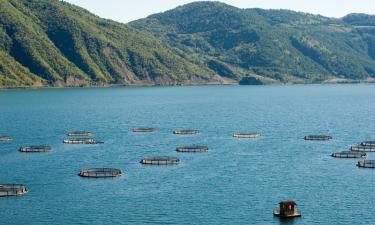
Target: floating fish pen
x=349 y=154
x=368 y=143
x=192 y=149
x=366 y=164
x=33 y=149
x=12 y=190
x=362 y=148
x=250 y=135
x=5 y=138
x=100 y=172
x=186 y=132
x=143 y=129
x=80 y=134
x=160 y=160
x=317 y=138
x=87 y=141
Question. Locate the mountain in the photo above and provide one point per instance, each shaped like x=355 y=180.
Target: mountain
x=54 y=43
x=266 y=46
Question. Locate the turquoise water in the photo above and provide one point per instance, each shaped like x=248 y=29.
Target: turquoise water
x=236 y=182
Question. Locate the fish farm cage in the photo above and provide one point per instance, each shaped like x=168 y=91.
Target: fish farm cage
x=143 y=130
x=12 y=190
x=366 y=164
x=100 y=172
x=317 y=138
x=349 y=154
x=88 y=141
x=362 y=148
x=250 y=135
x=368 y=143
x=186 y=132
x=80 y=134
x=5 y=138
x=192 y=149
x=160 y=160
x=33 y=149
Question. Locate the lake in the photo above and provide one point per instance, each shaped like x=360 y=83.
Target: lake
x=235 y=182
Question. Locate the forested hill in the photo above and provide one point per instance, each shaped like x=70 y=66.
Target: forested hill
x=49 y=42
x=54 y=43
x=269 y=45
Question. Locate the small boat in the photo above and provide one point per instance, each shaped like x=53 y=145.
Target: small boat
x=249 y=135
x=368 y=143
x=5 y=138
x=80 y=134
x=193 y=148
x=366 y=164
x=317 y=138
x=287 y=210
x=143 y=129
x=87 y=141
x=32 y=149
x=363 y=148
x=349 y=154
x=186 y=132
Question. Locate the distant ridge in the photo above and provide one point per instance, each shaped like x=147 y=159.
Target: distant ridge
x=54 y=43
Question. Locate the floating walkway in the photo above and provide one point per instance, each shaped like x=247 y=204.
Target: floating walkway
x=34 y=149
x=317 y=138
x=250 y=135
x=12 y=190
x=160 y=160
x=80 y=134
x=143 y=130
x=366 y=164
x=368 y=143
x=87 y=141
x=349 y=154
x=100 y=172
x=192 y=149
x=362 y=148
x=5 y=138
x=186 y=132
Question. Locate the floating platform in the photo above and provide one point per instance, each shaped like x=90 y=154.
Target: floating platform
x=349 y=154
x=5 y=138
x=160 y=160
x=34 y=149
x=80 y=134
x=143 y=130
x=362 y=148
x=296 y=213
x=12 y=190
x=366 y=164
x=186 y=132
x=192 y=149
x=100 y=172
x=87 y=141
x=317 y=138
x=249 y=135
x=368 y=143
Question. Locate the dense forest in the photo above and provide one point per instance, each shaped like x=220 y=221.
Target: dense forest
x=54 y=43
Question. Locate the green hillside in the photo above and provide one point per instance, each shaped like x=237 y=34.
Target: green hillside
x=282 y=45
x=48 y=42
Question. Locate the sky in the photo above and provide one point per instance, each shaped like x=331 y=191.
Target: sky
x=129 y=10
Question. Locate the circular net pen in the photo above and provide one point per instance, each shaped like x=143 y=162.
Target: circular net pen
x=143 y=130
x=35 y=149
x=160 y=160
x=12 y=190
x=80 y=134
x=349 y=154
x=361 y=148
x=368 y=143
x=317 y=138
x=100 y=172
x=192 y=149
x=249 y=135
x=186 y=132
x=87 y=141
x=366 y=164
x=5 y=138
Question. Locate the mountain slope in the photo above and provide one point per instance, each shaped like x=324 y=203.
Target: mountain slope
x=48 y=42
x=281 y=45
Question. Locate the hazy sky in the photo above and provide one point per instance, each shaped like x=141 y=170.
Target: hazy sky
x=128 y=10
